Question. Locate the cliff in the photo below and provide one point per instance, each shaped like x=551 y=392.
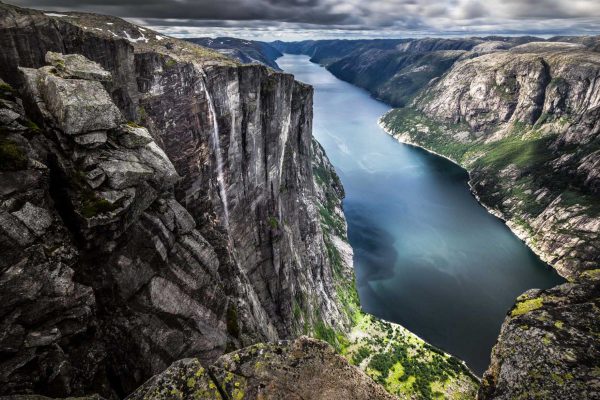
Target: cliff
x=158 y=202
x=524 y=122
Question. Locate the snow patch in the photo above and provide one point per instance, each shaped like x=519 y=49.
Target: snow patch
x=132 y=40
x=55 y=15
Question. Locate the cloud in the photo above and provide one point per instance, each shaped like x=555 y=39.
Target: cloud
x=388 y=17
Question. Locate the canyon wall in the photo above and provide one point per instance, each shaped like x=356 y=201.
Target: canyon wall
x=156 y=205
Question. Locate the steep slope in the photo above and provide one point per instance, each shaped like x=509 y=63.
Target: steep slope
x=244 y=51
x=524 y=122
x=198 y=235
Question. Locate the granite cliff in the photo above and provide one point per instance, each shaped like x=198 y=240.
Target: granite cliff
x=158 y=202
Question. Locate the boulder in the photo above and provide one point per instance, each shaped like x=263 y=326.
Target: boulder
x=133 y=136
x=77 y=66
x=37 y=219
x=123 y=174
x=78 y=105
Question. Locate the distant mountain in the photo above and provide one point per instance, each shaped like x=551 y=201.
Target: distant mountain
x=244 y=51
x=394 y=70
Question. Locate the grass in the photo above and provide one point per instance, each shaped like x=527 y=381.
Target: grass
x=12 y=157
x=525 y=306
x=93 y=205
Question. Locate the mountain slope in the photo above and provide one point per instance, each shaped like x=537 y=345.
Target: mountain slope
x=524 y=123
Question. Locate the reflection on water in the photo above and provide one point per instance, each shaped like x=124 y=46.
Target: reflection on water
x=427 y=255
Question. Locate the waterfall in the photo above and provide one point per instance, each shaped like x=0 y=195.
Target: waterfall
x=217 y=148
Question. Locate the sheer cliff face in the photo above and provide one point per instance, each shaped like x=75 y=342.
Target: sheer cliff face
x=140 y=247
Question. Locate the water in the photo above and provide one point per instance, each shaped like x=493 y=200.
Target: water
x=427 y=255
x=217 y=149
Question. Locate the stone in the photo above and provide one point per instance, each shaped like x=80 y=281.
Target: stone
x=79 y=106
x=548 y=345
x=184 y=222
x=95 y=177
x=77 y=66
x=134 y=136
x=124 y=174
x=15 y=229
x=300 y=369
x=37 y=219
x=91 y=140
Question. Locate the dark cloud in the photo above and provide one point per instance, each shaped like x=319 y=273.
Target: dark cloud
x=388 y=16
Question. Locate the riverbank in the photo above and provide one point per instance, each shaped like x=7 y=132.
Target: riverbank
x=523 y=234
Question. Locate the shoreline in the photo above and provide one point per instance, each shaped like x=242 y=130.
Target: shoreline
x=514 y=228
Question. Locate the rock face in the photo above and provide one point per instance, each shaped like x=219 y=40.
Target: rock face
x=525 y=124
x=192 y=229
x=302 y=369
x=544 y=349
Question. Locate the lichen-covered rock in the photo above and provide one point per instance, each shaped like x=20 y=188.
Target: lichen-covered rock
x=548 y=346
x=301 y=369
x=134 y=136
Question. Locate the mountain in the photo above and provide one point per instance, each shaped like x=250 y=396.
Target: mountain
x=524 y=122
x=244 y=51
x=162 y=207
x=394 y=70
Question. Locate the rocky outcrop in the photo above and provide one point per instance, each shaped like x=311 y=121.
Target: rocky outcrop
x=302 y=369
x=173 y=208
x=544 y=349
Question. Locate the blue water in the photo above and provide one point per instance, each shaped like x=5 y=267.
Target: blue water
x=427 y=255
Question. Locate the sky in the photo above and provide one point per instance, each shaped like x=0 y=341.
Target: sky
x=319 y=19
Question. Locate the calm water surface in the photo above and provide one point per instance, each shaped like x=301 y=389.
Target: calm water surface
x=427 y=255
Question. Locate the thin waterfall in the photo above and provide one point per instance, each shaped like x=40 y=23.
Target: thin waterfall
x=217 y=148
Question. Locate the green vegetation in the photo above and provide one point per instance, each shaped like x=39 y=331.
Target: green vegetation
x=526 y=306
x=170 y=63
x=12 y=157
x=132 y=124
x=93 y=205
x=273 y=223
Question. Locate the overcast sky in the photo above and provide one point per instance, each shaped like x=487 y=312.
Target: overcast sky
x=299 y=19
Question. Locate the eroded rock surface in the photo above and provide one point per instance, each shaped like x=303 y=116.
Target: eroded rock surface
x=544 y=350
x=301 y=369
x=175 y=210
